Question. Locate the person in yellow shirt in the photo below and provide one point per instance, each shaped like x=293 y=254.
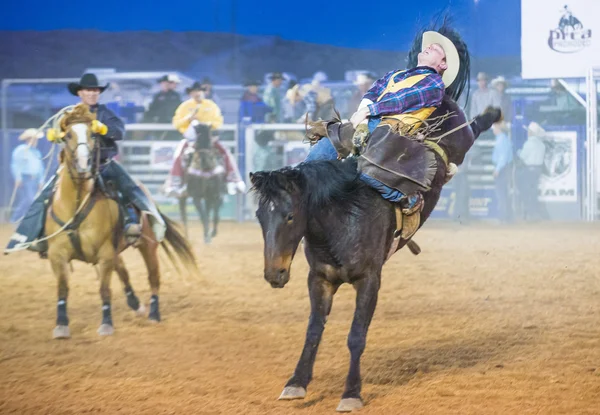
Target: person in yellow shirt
x=197 y=108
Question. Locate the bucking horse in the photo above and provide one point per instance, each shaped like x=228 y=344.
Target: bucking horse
x=349 y=232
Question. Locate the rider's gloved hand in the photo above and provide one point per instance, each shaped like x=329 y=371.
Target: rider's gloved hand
x=99 y=127
x=240 y=187
x=236 y=187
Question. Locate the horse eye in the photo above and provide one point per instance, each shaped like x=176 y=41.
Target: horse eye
x=290 y=217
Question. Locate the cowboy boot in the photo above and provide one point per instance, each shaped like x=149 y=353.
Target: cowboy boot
x=133 y=228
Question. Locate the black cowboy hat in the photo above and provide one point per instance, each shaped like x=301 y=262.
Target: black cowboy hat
x=252 y=82
x=206 y=81
x=276 y=75
x=196 y=86
x=88 y=80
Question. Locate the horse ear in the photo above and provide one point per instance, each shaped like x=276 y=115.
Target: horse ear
x=257 y=178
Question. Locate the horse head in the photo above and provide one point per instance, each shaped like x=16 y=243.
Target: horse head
x=76 y=134
x=282 y=217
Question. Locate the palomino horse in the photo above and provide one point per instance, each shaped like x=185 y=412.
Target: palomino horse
x=348 y=231
x=205 y=178
x=94 y=227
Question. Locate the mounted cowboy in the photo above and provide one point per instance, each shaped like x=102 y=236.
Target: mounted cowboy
x=398 y=128
x=107 y=128
x=200 y=110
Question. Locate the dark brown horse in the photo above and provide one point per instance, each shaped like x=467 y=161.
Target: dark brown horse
x=205 y=178
x=348 y=229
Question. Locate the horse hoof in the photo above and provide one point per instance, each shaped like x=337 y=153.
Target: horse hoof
x=106 y=330
x=349 y=405
x=154 y=318
x=207 y=239
x=141 y=311
x=61 y=332
x=292 y=392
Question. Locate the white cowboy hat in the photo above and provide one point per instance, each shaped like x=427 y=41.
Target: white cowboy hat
x=31 y=133
x=499 y=80
x=452 y=58
x=535 y=129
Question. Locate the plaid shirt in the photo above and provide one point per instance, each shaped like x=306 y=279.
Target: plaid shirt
x=428 y=92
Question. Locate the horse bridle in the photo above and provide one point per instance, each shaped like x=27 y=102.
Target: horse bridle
x=76 y=177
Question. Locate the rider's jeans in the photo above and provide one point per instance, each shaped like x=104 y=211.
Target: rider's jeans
x=324 y=150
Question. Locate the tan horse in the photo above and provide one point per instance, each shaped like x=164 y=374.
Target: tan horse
x=93 y=227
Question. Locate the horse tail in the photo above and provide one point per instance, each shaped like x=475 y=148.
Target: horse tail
x=175 y=241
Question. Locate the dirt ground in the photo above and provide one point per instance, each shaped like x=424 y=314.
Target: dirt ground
x=486 y=320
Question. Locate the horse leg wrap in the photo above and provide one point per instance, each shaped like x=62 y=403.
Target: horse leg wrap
x=106 y=314
x=154 y=310
x=132 y=301
x=61 y=313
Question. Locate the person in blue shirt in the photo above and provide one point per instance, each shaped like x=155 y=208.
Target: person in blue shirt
x=251 y=105
x=28 y=172
x=502 y=158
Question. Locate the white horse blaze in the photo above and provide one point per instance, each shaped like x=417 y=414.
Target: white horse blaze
x=83 y=151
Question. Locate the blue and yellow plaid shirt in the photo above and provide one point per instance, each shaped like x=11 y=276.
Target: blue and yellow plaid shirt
x=428 y=92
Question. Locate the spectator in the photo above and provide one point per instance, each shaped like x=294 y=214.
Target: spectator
x=500 y=84
x=324 y=100
x=532 y=156
x=165 y=102
x=197 y=108
x=294 y=105
x=251 y=105
x=483 y=97
x=265 y=157
x=363 y=82
x=273 y=98
x=502 y=157
x=209 y=93
x=28 y=172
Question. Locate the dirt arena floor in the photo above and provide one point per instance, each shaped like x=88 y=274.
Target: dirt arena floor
x=486 y=320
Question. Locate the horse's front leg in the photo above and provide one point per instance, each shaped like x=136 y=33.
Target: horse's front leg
x=60 y=267
x=106 y=265
x=203 y=213
x=183 y=213
x=367 y=290
x=321 y=294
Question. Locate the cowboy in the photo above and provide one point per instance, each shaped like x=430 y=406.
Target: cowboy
x=165 y=102
x=532 y=157
x=190 y=113
x=395 y=107
x=199 y=108
x=273 y=97
x=107 y=129
x=27 y=170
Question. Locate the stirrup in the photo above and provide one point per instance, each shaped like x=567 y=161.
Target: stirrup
x=133 y=233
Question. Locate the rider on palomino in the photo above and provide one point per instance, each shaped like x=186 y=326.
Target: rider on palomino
x=194 y=111
x=108 y=128
x=392 y=129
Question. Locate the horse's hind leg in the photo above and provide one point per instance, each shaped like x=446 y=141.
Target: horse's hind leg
x=216 y=205
x=106 y=265
x=149 y=251
x=60 y=267
x=321 y=294
x=366 y=299
x=132 y=300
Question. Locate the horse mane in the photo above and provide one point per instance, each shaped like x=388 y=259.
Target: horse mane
x=322 y=184
x=79 y=114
